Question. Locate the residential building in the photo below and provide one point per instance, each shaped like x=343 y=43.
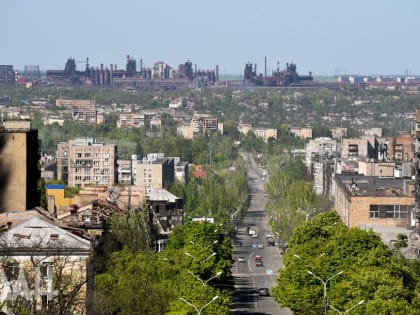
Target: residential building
x=396 y=149
x=262 y=133
x=56 y=260
x=154 y=171
x=372 y=200
x=365 y=147
x=85 y=161
x=166 y=212
x=19 y=172
x=124 y=170
x=205 y=124
x=72 y=103
x=303 y=133
x=130 y=120
x=82 y=110
x=265 y=133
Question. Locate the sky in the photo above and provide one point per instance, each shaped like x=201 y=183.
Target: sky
x=327 y=37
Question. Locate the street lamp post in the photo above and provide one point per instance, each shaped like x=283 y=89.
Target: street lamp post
x=201 y=280
x=193 y=257
x=199 y=310
x=324 y=283
x=345 y=312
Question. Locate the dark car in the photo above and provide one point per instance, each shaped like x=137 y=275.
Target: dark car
x=259 y=263
x=263 y=292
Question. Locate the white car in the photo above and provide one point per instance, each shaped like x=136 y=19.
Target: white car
x=241 y=259
x=255 y=235
x=260 y=246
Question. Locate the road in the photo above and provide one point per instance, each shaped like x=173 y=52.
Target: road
x=247 y=276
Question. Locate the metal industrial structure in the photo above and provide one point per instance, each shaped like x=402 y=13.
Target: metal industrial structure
x=160 y=76
x=288 y=76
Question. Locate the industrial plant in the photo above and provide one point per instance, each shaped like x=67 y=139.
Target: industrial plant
x=160 y=76
x=288 y=76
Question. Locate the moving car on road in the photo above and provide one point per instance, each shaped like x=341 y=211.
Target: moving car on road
x=241 y=259
x=263 y=292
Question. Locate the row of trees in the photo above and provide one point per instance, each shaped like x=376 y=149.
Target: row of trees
x=291 y=199
x=354 y=266
x=193 y=271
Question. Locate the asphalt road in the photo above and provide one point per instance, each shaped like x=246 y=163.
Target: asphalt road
x=247 y=276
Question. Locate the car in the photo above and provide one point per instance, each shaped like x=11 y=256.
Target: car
x=260 y=246
x=255 y=235
x=241 y=259
x=258 y=257
x=263 y=292
x=259 y=263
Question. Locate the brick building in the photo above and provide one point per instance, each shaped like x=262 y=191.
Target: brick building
x=370 y=200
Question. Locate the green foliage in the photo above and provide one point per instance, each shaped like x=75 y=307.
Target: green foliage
x=138 y=282
x=326 y=247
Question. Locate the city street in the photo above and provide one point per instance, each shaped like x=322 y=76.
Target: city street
x=249 y=277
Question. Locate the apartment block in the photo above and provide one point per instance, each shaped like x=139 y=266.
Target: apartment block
x=303 y=133
x=154 y=171
x=19 y=172
x=130 y=120
x=205 y=124
x=365 y=147
x=371 y=200
x=82 y=110
x=262 y=133
x=85 y=161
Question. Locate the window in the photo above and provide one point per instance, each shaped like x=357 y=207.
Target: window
x=79 y=155
x=11 y=270
x=389 y=211
x=87 y=155
x=47 y=269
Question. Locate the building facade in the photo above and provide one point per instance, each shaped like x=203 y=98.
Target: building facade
x=370 y=200
x=19 y=172
x=85 y=161
x=154 y=172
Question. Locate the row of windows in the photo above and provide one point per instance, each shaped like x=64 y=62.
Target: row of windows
x=89 y=154
x=95 y=170
x=94 y=178
x=389 y=211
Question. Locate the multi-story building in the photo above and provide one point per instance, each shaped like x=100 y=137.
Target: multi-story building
x=262 y=133
x=154 y=171
x=82 y=110
x=205 y=124
x=265 y=133
x=371 y=200
x=7 y=74
x=303 y=133
x=130 y=120
x=86 y=161
x=365 y=147
x=19 y=172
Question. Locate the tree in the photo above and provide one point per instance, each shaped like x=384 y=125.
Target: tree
x=359 y=265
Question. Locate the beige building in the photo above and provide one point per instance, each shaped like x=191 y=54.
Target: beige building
x=368 y=200
x=19 y=172
x=365 y=147
x=130 y=120
x=85 y=161
x=265 y=133
x=262 y=133
x=153 y=172
x=371 y=168
x=69 y=103
x=82 y=110
x=303 y=133
x=200 y=125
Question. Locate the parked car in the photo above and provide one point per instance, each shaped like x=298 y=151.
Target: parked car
x=259 y=263
x=260 y=246
x=263 y=292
